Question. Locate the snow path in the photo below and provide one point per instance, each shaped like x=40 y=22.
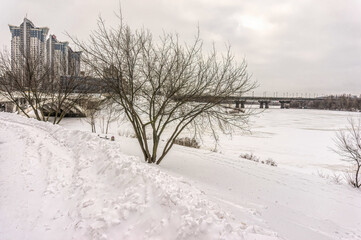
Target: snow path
x=62 y=184
x=29 y=192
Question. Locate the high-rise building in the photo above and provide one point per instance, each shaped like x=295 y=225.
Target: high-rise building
x=57 y=55
x=27 y=40
x=74 y=62
x=30 y=41
x=62 y=59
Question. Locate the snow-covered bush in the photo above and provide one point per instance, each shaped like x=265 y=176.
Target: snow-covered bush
x=188 y=142
x=334 y=177
x=126 y=133
x=254 y=158
x=271 y=162
x=130 y=134
x=249 y=156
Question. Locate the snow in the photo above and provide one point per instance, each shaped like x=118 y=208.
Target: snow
x=297 y=139
x=300 y=139
x=68 y=184
x=59 y=183
x=291 y=199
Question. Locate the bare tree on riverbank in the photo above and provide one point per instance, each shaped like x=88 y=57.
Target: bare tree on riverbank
x=46 y=93
x=348 y=144
x=165 y=86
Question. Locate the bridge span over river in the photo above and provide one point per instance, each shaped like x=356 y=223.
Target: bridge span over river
x=239 y=101
x=265 y=101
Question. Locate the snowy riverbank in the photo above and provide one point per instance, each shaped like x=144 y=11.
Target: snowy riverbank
x=65 y=184
x=68 y=184
x=293 y=199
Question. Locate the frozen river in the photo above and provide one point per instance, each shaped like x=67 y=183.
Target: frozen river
x=297 y=138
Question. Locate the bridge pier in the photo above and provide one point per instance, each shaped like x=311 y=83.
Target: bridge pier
x=240 y=102
x=283 y=104
x=303 y=105
x=264 y=103
x=9 y=107
x=17 y=106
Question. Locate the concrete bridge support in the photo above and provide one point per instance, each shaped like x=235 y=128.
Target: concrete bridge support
x=264 y=103
x=9 y=107
x=283 y=103
x=240 y=102
x=303 y=105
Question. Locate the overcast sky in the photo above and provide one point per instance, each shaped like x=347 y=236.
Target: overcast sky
x=303 y=46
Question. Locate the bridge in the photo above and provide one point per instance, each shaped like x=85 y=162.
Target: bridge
x=74 y=108
x=265 y=101
x=241 y=101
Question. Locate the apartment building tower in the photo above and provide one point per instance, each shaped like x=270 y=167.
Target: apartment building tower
x=27 y=40
x=57 y=55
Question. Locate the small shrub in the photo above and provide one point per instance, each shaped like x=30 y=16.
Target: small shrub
x=252 y=157
x=321 y=174
x=271 y=162
x=350 y=180
x=126 y=133
x=188 y=142
x=130 y=134
x=335 y=178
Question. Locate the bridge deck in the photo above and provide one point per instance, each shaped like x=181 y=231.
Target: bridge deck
x=245 y=98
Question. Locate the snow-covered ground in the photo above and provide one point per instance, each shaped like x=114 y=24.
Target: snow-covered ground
x=52 y=178
x=292 y=199
x=299 y=139
x=67 y=184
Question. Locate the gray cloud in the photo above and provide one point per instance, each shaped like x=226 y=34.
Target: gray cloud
x=290 y=45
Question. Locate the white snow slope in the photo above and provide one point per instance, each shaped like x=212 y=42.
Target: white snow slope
x=291 y=199
x=67 y=184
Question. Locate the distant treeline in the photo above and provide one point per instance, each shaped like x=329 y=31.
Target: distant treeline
x=339 y=102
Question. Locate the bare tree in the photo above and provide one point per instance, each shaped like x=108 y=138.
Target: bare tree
x=348 y=143
x=45 y=92
x=93 y=111
x=109 y=113
x=165 y=86
x=25 y=79
x=66 y=94
x=91 y=115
